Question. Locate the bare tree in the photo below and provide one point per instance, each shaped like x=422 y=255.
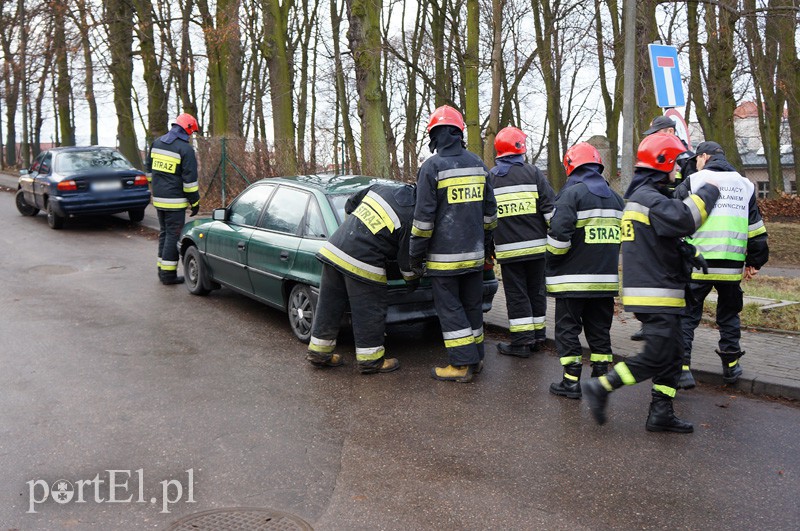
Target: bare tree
x=119 y=17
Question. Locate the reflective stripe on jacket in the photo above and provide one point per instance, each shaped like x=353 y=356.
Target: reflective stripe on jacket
x=653 y=274
x=583 y=244
x=524 y=208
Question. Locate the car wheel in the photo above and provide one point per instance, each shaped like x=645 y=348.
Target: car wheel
x=136 y=215
x=24 y=208
x=54 y=220
x=301 y=312
x=194 y=272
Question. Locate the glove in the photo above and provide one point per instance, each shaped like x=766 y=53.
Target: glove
x=195 y=210
x=417 y=265
x=692 y=256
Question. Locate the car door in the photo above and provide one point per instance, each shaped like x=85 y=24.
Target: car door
x=27 y=180
x=41 y=181
x=273 y=246
x=227 y=241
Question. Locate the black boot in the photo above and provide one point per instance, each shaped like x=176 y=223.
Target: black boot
x=169 y=279
x=570 y=384
x=597 y=394
x=519 y=351
x=662 y=417
x=638 y=335
x=538 y=344
x=731 y=368
x=599 y=368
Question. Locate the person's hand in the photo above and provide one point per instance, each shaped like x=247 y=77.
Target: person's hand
x=417 y=265
x=195 y=210
x=749 y=272
x=412 y=285
x=692 y=256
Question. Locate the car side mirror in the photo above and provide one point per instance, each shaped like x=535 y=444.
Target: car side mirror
x=23 y=172
x=220 y=214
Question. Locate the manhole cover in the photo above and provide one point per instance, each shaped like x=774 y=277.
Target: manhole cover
x=52 y=270
x=241 y=518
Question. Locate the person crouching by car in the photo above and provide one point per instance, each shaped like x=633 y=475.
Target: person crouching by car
x=354 y=261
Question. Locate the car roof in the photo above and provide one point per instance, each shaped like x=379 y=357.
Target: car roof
x=64 y=149
x=331 y=184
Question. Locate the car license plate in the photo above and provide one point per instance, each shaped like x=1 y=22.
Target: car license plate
x=105 y=186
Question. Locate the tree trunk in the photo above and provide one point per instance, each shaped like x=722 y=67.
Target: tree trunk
x=63 y=83
x=612 y=96
x=364 y=36
x=646 y=33
x=497 y=77
x=86 y=47
x=341 y=91
x=789 y=79
x=119 y=14
x=410 y=152
x=224 y=65
x=157 y=117
x=471 y=101
x=280 y=83
x=11 y=81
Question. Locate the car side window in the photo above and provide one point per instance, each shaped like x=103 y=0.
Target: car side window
x=314 y=226
x=286 y=210
x=37 y=163
x=47 y=162
x=248 y=206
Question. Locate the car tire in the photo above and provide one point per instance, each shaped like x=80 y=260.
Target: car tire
x=136 y=215
x=24 y=208
x=195 y=272
x=301 y=309
x=54 y=220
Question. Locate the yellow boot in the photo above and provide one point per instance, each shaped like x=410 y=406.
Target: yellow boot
x=452 y=373
x=334 y=361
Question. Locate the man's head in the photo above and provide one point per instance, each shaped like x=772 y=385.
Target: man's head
x=661 y=124
x=187 y=122
x=580 y=154
x=510 y=141
x=446 y=115
x=660 y=152
x=705 y=151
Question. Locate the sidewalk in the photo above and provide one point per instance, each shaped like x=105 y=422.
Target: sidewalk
x=771 y=364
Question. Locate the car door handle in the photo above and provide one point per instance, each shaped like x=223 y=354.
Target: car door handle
x=241 y=246
x=284 y=255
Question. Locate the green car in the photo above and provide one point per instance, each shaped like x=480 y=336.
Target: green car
x=264 y=243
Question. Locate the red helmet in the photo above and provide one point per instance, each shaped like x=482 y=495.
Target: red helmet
x=188 y=122
x=510 y=141
x=446 y=115
x=580 y=154
x=659 y=152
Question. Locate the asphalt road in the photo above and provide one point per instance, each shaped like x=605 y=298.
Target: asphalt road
x=102 y=368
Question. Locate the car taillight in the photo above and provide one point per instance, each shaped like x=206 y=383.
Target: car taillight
x=140 y=180
x=68 y=185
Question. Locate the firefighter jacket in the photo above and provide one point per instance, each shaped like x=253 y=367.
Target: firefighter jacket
x=172 y=167
x=653 y=273
x=455 y=212
x=734 y=234
x=376 y=231
x=524 y=208
x=583 y=242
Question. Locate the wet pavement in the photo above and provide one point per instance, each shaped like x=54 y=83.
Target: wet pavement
x=105 y=369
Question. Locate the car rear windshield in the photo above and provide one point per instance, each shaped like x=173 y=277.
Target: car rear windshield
x=96 y=159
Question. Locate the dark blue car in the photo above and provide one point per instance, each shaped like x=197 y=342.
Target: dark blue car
x=82 y=181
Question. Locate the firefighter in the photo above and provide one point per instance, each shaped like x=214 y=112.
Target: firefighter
x=453 y=222
x=654 y=279
x=742 y=252
x=583 y=266
x=354 y=263
x=524 y=207
x=172 y=170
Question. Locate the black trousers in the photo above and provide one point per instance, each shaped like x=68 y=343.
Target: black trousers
x=368 y=303
x=729 y=303
x=170 y=223
x=662 y=355
x=526 y=300
x=593 y=316
x=458 y=300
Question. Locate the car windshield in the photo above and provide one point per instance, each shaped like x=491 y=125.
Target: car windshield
x=95 y=159
x=338 y=202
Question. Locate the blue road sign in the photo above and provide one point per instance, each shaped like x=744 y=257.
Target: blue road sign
x=666 y=76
